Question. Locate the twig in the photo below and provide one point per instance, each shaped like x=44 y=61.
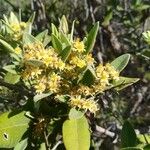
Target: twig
x=105 y=131
x=46 y=140
x=57 y=144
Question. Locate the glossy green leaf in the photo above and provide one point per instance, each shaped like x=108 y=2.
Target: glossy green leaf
x=144 y=138
x=42 y=146
x=54 y=30
x=12 y=78
x=76 y=135
x=28 y=28
x=28 y=39
x=63 y=26
x=75 y=114
x=128 y=136
x=87 y=77
x=41 y=36
x=91 y=38
x=121 y=62
x=64 y=39
x=12 y=128
x=41 y=96
x=47 y=40
x=31 y=19
x=35 y=62
x=6 y=46
x=56 y=43
x=107 y=18
x=21 y=145
x=124 y=82
x=132 y=148
x=146 y=53
x=10 y=68
x=13 y=18
x=65 y=53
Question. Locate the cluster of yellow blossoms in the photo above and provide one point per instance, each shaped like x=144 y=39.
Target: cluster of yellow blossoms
x=17 y=29
x=40 y=65
x=83 y=103
x=45 y=70
x=105 y=74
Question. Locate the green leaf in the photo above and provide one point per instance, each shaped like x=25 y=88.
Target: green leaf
x=54 y=30
x=107 y=18
x=146 y=53
x=124 y=82
x=63 y=26
x=91 y=38
x=10 y=68
x=28 y=39
x=12 y=128
x=65 y=53
x=131 y=148
x=21 y=145
x=41 y=96
x=42 y=146
x=128 y=135
x=64 y=39
x=75 y=114
x=41 y=36
x=87 y=77
x=121 y=62
x=31 y=19
x=47 y=39
x=34 y=62
x=6 y=46
x=72 y=30
x=12 y=78
x=13 y=18
x=56 y=43
x=144 y=138
x=76 y=135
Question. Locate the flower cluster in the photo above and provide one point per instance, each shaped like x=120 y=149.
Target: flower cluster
x=105 y=74
x=40 y=65
x=17 y=30
x=85 y=104
x=46 y=71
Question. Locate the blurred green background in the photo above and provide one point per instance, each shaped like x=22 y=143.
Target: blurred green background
x=122 y=23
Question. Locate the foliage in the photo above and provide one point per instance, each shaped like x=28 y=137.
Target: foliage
x=58 y=79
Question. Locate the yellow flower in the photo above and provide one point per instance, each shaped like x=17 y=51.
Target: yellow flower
x=78 y=62
x=40 y=87
x=85 y=90
x=78 y=46
x=18 y=50
x=82 y=103
x=99 y=70
x=104 y=77
x=60 y=64
x=15 y=27
x=89 y=59
x=54 y=83
x=113 y=73
x=48 y=60
x=76 y=101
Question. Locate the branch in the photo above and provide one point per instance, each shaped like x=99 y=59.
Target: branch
x=57 y=144
x=105 y=131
